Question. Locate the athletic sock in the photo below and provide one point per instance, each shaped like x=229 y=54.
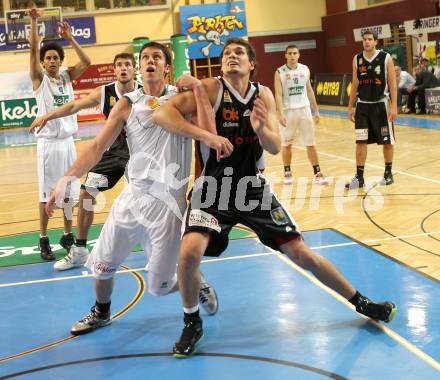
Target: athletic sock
x=81 y=242
x=355 y=299
x=316 y=169
x=388 y=169
x=360 y=172
x=102 y=308
x=192 y=316
x=287 y=168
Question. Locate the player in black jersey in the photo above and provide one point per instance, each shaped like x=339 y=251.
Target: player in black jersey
x=232 y=190
x=374 y=79
x=111 y=167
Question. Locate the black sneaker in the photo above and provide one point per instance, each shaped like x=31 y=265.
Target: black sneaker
x=91 y=322
x=355 y=183
x=384 y=311
x=192 y=335
x=45 y=249
x=387 y=180
x=66 y=241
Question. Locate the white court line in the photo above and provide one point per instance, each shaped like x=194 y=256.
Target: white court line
x=392 y=334
x=372 y=165
x=85 y=274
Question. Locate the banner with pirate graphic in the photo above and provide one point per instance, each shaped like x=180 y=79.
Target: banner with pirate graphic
x=208 y=26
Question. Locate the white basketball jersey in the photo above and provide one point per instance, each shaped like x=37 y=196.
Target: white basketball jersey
x=51 y=94
x=159 y=160
x=294 y=84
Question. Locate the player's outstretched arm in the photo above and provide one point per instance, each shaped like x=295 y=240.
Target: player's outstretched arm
x=84 y=60
x=35 y=70
x=204 y=115
x=92 y=154
x=93 y=99
x=170 y=117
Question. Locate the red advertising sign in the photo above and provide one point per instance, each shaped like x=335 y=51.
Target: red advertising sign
x=92 y=113
x=94 y=76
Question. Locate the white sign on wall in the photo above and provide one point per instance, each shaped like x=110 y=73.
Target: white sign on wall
x=422 y=25
x=382 y=31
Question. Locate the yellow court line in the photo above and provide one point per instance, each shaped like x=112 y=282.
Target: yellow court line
x=140 y=292
x=392 y=334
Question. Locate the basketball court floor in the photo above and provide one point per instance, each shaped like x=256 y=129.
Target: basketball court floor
x=275 y=320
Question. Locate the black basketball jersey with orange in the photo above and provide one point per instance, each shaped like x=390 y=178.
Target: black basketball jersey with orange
x=372 y=77
x=117 y=155
x=232 y=115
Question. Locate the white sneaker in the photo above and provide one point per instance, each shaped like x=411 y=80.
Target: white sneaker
x=207 y=296
x=76 y=257
x=288 y=179
x=320 y=179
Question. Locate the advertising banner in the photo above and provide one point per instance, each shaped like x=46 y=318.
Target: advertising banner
x=210 y=25
x=83 y=29
x=383 y=31
x=91 y=113
x=17 y=112
x=329 y=88
x=422 y=25
x=94 y=76
x=432 y=100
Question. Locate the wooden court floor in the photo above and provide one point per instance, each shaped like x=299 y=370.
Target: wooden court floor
x=402 y=220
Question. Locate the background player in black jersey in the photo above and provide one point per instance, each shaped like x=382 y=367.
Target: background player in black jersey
x=374 y=78
x=238 y=193
x=104 y=175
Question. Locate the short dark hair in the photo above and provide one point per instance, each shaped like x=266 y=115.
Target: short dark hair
x=51 y=46
x=124 y=56
x=292 y=46
x=160 y=46
x=250 y=50
x=370 y=31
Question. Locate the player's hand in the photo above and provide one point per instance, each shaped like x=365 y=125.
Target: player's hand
x=282 y=120
x=61 y=195
x=258 y=115
x=393 y=113
x=220 y=144
x=316 y=117
x=38 y=124
x=351 y=112
x=187 y=82
x=34 y=13
x=65 y=30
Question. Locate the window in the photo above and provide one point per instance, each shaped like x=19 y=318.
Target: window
x=23 y=4
x=110 y=4
x=70 y=6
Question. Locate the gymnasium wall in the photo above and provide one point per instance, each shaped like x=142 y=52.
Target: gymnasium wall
x=339 y=26
x=115 y=30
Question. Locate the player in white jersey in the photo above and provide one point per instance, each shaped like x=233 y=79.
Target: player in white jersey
x=55 y=148
x=150 y=209
x=294 y=98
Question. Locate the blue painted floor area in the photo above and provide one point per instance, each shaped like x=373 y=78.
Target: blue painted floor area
x=272 y=323
x=417 y=122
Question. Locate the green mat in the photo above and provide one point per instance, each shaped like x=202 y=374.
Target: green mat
x=23 y=248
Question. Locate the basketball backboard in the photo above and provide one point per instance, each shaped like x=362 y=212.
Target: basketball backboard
x=18 y=24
